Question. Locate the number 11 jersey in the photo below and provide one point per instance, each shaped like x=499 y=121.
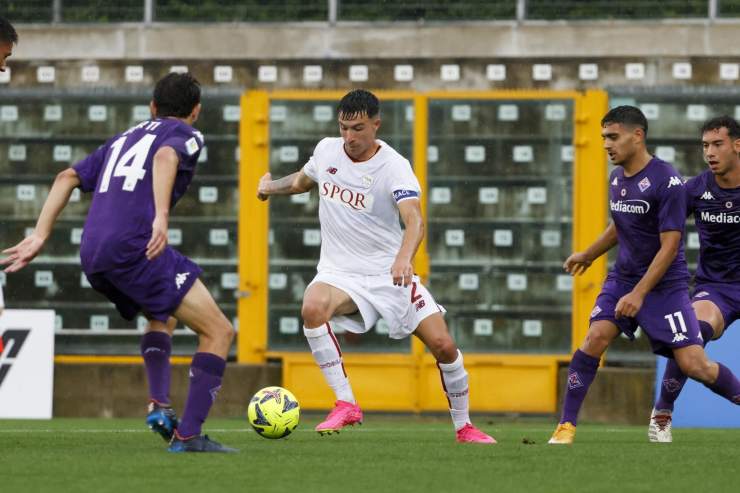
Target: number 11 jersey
x=120 y=175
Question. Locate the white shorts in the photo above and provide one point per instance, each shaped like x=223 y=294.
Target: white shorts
x=403 y=308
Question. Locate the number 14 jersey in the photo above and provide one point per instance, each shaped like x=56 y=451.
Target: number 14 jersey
x=120 y=175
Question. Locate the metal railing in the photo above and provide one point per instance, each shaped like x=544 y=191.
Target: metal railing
x=333 y=11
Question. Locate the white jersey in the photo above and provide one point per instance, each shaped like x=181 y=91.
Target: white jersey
x=358 y=209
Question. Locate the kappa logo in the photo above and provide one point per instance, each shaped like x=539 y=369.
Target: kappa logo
x=12 y=342
x=679 y=338
x=181 y=278
x=574 y=381
x=615 y=182
x=675 y=181
x=707 y=195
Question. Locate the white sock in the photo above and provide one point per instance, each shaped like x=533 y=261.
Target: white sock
x=455 y=382
x=326 y=353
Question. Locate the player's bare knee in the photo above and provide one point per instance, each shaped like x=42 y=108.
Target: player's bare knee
x=595 y=343
x=443 y=348
x=314 y=314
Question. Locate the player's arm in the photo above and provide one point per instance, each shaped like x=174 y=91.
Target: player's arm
x=21 y=254
x=629 y=304
x=578 y=262
x=402 y=269
x=298 y=182
x=164 y=168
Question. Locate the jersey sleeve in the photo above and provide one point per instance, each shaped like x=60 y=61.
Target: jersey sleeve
x=311 y=168
x=404 y=184
x=89 y=168
x=187 y=145
x=691 y=188
x=672 y=204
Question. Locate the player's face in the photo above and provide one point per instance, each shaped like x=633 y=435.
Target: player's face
x=6 y=49
x=359 y=135
x=720 y=151
x=620 y=142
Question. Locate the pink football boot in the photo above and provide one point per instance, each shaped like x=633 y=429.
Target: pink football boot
x=471 y=434
x=343 y=414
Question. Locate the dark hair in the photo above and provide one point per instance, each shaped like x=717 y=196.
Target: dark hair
x=176 y=95
x=626 y=115
x=357 y=102
x=7 y=32
x=733 y=128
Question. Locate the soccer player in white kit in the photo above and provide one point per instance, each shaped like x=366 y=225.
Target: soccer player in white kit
x=365 y=271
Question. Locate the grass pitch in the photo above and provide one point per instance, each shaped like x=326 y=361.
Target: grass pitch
x=386 y=454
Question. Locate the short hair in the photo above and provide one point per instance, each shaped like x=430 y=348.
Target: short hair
x=357 y=102
x=7 y=32
x=626 y=115
x=176 y=95
x=733 y=128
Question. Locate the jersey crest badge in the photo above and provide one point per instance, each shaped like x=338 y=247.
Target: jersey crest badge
x=367 y=181
x=191 y=145
x=644 y=184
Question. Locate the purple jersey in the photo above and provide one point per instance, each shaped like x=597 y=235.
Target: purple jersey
x=717 y=215
x=119 y=173
x=643 y=206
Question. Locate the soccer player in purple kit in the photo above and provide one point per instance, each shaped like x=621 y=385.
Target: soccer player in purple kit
x=713 y=198
x=136 y=177
x=648 y=285
x=8 y=38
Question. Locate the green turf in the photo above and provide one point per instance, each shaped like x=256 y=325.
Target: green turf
x=387 y=454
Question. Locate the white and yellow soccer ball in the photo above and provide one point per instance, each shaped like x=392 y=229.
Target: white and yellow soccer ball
x=273 y=412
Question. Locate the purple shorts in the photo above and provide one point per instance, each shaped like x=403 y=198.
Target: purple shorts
x=154 y=287
x=725 y=296
x=666 y=316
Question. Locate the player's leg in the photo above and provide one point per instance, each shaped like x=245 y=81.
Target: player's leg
x=711 y=326
x=433 y=332
x=321 y=302
x=693 y=361
x=156 y=347
x=198 y=310
x=581 y=373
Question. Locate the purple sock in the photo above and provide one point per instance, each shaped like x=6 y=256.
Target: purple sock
x=581 y=373
x=727 y=385
x=673 y=378
x=206 y=372
x=155 y=349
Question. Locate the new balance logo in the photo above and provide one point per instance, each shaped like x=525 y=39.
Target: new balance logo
x=675 y=181
x=181 y=278
x=12 y=342
x=679 y=338
x=707 y=196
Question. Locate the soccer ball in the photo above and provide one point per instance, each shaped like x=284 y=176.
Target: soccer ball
x=273 y=412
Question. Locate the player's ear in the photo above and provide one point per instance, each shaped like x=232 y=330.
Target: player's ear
x=736 y=145
x=153 y=109
x=195 y=113
x=376 y=124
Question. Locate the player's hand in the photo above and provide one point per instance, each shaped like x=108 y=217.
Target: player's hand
x=576 y=264
x=628 y=305
x=156 y=244
x=402 y=272
x=20 y=255
x=262 y=191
